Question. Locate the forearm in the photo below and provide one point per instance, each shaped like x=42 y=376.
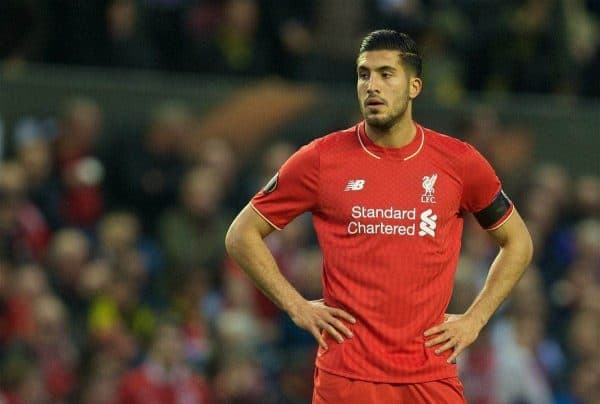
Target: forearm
x=506 y=270
x=252 y=255
x=245 y=244
x=459 y=331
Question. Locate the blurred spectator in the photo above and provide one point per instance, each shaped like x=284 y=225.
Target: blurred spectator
x=587 y=198
x=2 y=137
x=5 y=314
x=202 y=19
x=548 y=188
x=53 y=346
x=580 y=278
x=298 y=361
x=167 y=20
x=192 y=233
x=198 y=303
x=332 y=57
x=24 y=233
x=145 y=175
x=583 y=44
x=164 y=376
x=512 y=152
x=536 y=30
x=126 y=42
x=95 y=279
x=80 y=171
x=444 y=69
x=236 y=46
x=584 y=331
x=504 y=365
x=118 y=234
x=216 y=153
x=23 y=35
x=24 y=288
x=118 y=318
x=241 y=378
x=68 y=254
x=271 y=159
x=34 y=152
x=118 y=293
x=485 y=23
x=122 y=244
x=101 y=372
x=505 y=46
x=99 y=389
x=289 y=25
x=403 y=15
x=23 y=380
x=480 y=128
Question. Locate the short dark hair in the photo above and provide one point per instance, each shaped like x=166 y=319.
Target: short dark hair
x=388 y=39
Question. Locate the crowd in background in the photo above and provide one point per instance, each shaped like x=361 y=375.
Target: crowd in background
x=114 y=283
x=115 y=287
x=540 y=46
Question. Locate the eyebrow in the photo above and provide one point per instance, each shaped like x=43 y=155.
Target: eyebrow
x=378 y=69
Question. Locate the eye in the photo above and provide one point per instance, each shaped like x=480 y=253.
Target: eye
x=386 y=75
x=363 y=75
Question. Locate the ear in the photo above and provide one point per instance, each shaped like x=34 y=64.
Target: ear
x=415 y=85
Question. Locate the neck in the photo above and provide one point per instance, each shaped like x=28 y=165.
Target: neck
x=399 y=134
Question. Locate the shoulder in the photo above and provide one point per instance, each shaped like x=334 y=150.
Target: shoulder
x=453 y=151
x=335 y=141
x=445 y=143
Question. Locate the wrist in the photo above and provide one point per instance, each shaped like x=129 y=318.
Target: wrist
x=294 y=306
x=479 y=320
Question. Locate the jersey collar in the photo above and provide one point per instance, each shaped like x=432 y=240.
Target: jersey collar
x=403 y=153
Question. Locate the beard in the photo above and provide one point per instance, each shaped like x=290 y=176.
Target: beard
x=386 y=120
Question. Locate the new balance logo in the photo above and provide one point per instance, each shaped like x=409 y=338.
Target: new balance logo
x=428 y=224
x=355 y=185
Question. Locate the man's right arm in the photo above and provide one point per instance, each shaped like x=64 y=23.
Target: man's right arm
x=245 y=245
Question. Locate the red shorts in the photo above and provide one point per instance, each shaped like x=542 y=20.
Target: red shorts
x=334 y=389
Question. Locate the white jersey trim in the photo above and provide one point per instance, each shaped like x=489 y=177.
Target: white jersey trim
x=405 y=158
x=263 y=216
x=420 y=146
x=365 y=147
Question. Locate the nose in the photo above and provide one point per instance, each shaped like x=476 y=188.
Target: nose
x=373 y=85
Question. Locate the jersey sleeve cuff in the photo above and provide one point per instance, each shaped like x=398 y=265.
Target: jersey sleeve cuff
x=264 y=217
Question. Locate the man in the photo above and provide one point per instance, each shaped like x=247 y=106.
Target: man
x=387 y=198
x=164 y=376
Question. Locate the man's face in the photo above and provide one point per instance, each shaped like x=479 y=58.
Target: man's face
x=384 y=88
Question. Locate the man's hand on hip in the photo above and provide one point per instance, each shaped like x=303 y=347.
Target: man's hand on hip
x=457 y=332
x=315 y=316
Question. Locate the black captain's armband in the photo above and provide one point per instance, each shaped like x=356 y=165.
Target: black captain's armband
x=494 y=212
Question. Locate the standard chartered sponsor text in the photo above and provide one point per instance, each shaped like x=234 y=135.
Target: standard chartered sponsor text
x=383 y=213
x=361 y=212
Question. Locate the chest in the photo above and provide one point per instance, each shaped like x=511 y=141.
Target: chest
x=389 y=191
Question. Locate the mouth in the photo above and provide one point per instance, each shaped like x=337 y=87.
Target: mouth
x=373 y=102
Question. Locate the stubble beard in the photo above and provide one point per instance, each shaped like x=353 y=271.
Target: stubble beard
x=386 y=121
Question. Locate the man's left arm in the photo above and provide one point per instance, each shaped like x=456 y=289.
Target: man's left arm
x=516 y=249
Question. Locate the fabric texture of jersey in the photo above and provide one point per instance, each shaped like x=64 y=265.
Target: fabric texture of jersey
x=330 y=388
x=389 y=223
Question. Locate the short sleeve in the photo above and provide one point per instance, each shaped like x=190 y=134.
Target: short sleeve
x=293 y=190
x=480 y=182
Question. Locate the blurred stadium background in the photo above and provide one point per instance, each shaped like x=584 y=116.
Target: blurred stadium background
x=132 y=131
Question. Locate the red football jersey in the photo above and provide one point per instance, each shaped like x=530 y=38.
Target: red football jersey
x=389 y=223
